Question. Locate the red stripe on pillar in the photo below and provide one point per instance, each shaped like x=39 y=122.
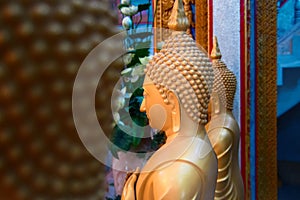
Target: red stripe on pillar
x=243 y=95
x=210 y=25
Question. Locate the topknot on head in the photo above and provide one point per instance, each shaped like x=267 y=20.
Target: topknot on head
x=178 y=20
x=215 y=52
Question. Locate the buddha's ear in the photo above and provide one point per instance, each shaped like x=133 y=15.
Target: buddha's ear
x=175 y=110
x=215 y=103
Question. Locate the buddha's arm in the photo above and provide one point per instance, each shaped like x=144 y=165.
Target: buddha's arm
x=180 y=180
x=129 y=187
x=222 y=145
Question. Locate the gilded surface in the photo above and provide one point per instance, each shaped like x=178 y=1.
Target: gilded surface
x=224 y=134
x=185 y=167
x=224 y=80
x=192 y=60
x=223 y=130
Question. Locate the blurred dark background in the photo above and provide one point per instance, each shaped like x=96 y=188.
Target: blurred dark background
x=42 y=45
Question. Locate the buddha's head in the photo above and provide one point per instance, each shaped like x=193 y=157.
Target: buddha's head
x=179 y=78
x=224 y=86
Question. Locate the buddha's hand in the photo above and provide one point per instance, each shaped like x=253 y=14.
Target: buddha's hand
x=129 y=187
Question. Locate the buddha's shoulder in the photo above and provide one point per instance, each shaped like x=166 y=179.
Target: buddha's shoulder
x=195 y=154
x=172 y=179
x=187 y=163
x=176 y=171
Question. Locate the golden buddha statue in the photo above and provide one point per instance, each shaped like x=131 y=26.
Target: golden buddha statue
x=177 y=89
x=223 y=130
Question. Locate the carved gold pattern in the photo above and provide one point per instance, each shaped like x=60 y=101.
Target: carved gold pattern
x=189 y=13
x=266 y=54
x=201 y=25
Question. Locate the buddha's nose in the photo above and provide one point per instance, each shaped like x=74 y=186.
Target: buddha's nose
x=143 y=107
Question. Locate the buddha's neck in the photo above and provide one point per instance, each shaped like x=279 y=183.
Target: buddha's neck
x=170 y=137
x=187 y=129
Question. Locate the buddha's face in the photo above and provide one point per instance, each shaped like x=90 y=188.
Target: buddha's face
x=158 y=112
